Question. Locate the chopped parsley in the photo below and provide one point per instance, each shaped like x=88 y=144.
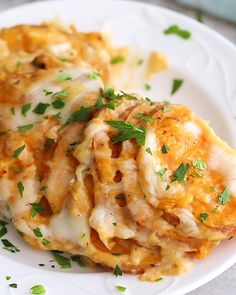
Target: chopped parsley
x=18 y=63
x=116 y=254
x=121 y=288
x=25 y=108
x=47 y=92
x=199 y=164
x=18 y=151
x=45 y=242
x=9 y=246
x=3 y=231
x=58 y=104
x=63 y=77
x=140 y=62
x=36 y=208
x=79 y=259
x=166 y=108
x=43 y=188
x=99 y=104
x=117 y=271
x=12 y=110
x=199 y=16
x=63 y=261
x=38 y=290
x=224 y=197
x=48 y=143
x=158 y=279
x=126 y=130
x=167 y=187
x=148 y=150
x=61 y=94
x=72 y=147
x=20 y=188
x=8 y=278
x=41 y=108
x=13 y=285
x=176 y=84
x=93 y=75
x=181 y=172
x=3 y=132
x=109 y=93
x=203 y=216
x=161 y=173
x=114 y=223
x=25 y=128
x=117 y=59
x=63 y=58
x=146 y=118
x=37 y=232
x=176 y=30
x=147 y=87
x=212 y=188
x=83 y=114
x=165 y=148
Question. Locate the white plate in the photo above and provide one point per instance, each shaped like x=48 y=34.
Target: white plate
x=206 y=62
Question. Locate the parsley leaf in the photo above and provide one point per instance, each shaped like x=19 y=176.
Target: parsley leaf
x=83 y=114
x=127 y=131
x=41 y=108
x=117 y=59
x=36 y=208
x=12 y=110
x=48 y=143
x=158 y=279
x=63 y=77
x=25 y=108
x=117 y=271
x=161 y=173
x=148 y=150
x=3 y=132
x=17 y=152
x=147 y=87
x=176 y=85
x=203 y=216
x=165 y=149
x=199 y=16
x=199 y=164
x=9 y=246
x=99 y=104
x=47 y=92
x=146 y=118
x=20 y=188
x=58 y=104
x=140 y=62
x=79 y=259
x=45 y=242
x=72 y=147
x=121 y=288
x=61 y=94
x=8 y=278
x=38 y=290
x=93 y=75
x=166 y=108
x=37 y=232
x=109 y=93
x=13 y=285
x=64 y=262
x=181 y=172
x=176 y=30
x=25 y=128
x=224 y=197
x=3 y=231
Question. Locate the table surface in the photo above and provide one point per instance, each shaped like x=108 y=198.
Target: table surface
x=225 y=283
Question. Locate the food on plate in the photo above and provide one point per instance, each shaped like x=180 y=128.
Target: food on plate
x=132 y=184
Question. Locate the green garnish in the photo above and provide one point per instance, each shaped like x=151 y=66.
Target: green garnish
x=161 y=173
x=25 y=108
x=199 y=16
x=57 y=116
x=167 y=187
x=114 y=223
x=146 y=118
x=203 y=216
x=99 y=104
x=8 y=278
x=36 y=208
x=25 y=128
x=9 y=246
x=176 y=30
x=109 y=93
x=83 y=114
x=147 y=87
x=224 y=197
x=12 y=110
x=48 y=143
x=64 y=262
x=14 y=285
x=63 y=58
x=3 y=132
x=181 y=172
x=128 y=96
x=37 y=232
x=148 y=150
x=18 y=63
x=93 y=75
x=116 y=254
x=61 y=94
x=165 y=148
x=45 y=242
x=117 y=271
x=212 y=188
x=43 y=188
x=199 y=164
x=16 y=169
x=3 y=231
x=58 y=104
x=140 y=62
x=82 y=236
x=121 y=288
x=166 y=108
x=158 y=279
x=127 y=131
x=41 y=108
x=47 y=92
x=176 y=85
x=17 y=152
x=117 y=59
x=64 y=77
x=72 y=147
x=20 y=188
x=79 y=259
x=38 y=290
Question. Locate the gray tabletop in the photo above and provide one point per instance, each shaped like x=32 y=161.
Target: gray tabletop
x=225 y=283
